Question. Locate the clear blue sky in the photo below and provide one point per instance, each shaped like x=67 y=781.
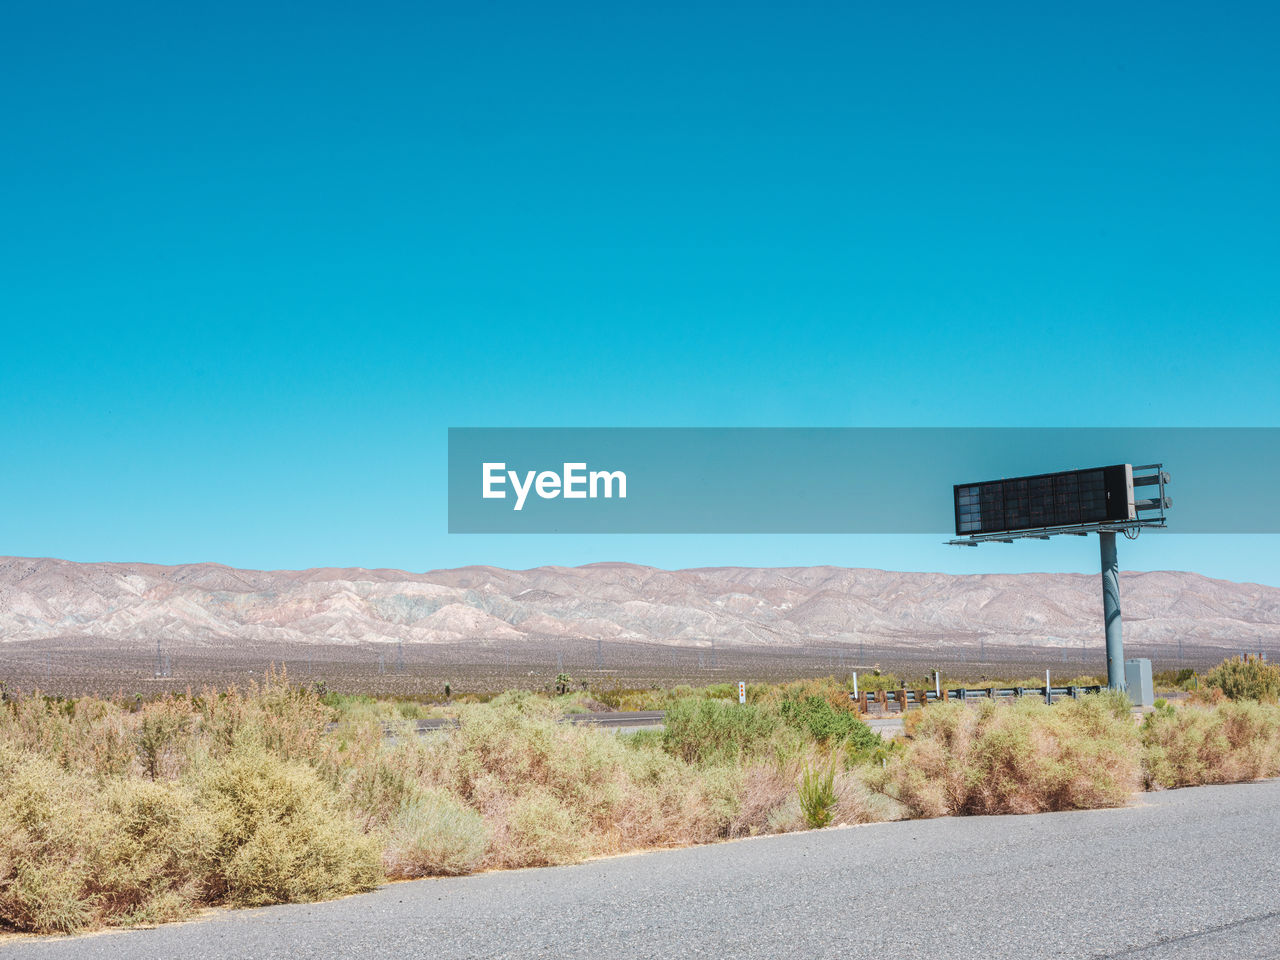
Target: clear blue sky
x=257 y=258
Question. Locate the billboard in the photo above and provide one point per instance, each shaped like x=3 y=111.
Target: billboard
x=1065 y=499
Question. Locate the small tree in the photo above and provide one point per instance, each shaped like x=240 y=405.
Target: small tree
x=563 y=683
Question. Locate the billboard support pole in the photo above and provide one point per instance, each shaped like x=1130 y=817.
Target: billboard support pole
x=1111 y=609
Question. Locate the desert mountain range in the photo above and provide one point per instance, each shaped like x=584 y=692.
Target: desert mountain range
x=207 y=605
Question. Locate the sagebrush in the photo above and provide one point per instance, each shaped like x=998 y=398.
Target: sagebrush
x=131 y=813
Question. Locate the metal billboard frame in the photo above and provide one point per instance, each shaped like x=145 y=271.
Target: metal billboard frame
x=1153 y=507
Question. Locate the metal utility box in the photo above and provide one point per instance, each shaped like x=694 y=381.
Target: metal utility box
x=1137 y=681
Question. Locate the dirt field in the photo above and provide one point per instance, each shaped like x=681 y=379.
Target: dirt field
x=421 y=671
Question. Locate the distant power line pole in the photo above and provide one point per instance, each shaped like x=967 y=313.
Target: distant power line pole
x=599 y=653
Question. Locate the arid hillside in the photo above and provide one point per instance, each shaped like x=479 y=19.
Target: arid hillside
x=209 y=605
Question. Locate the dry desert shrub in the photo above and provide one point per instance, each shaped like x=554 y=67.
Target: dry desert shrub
x=549 y=792
x=856 y=802
x=161 y=735
x=49 y=831
x=769 y=801
x=1025 y=758
x=542 y=830
x=290 y=721
x=1225 y=742
x=435 y=834
x=156 y=856
x=87 y=734
x=128 y=813
x=280 y=834
x=554 y=793
x=136 y=814
x=73 y=855
x=665 y=802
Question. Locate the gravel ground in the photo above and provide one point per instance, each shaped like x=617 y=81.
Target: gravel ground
x=1179 y=874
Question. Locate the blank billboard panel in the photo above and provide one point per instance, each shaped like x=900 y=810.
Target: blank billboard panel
x=1069 y=498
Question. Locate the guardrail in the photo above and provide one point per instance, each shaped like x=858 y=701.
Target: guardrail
x=904 y=699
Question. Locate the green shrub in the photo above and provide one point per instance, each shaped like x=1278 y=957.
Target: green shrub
x=642 y=739
x=1246 y=678
x=875 y=681
x=817 y=796
x=1183 y=679
x=435 y=834
x=822 y=722
x=279 y=835
x=707 y=731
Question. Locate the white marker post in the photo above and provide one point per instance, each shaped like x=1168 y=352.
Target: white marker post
x=742 y=692
x=855 y=684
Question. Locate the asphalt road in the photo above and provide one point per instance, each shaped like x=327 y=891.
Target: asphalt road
x=1190 y=873
x=887 y=726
